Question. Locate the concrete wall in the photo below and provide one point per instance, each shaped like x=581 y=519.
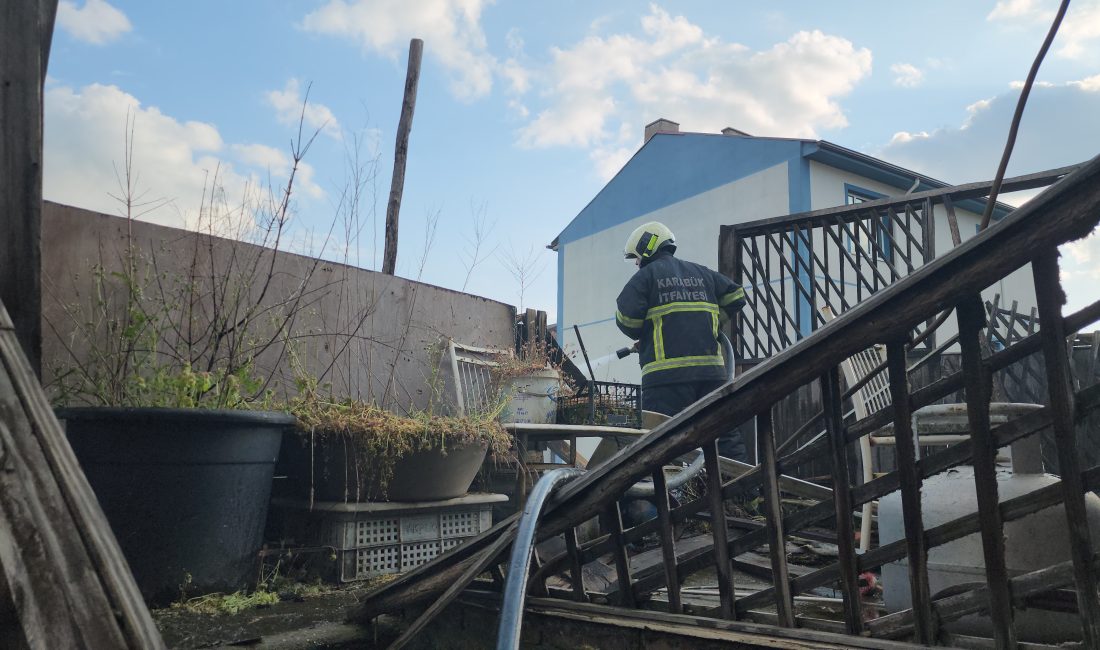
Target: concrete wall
x=367 y=334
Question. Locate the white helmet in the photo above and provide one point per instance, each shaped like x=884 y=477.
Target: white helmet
x=647 y=239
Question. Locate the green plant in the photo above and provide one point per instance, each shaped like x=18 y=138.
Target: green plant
x=221 y=604
x=377 y=438
x=201 y=321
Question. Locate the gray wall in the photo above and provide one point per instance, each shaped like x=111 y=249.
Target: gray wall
x=367 y=334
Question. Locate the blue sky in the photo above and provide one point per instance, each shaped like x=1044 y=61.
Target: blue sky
x=526 y=109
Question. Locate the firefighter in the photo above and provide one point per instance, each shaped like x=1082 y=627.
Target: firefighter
x=671 y=308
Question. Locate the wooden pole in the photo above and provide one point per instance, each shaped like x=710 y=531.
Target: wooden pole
x=842 y=501
x=971 y=316
x=909 y=477
x=400 y=154
x=1050 y=297
x=773 y=506
x=26 y=29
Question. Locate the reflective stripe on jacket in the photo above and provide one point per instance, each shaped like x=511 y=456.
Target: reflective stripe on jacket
x=672 y=307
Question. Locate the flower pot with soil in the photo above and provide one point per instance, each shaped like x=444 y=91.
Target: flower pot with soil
x=351 y=451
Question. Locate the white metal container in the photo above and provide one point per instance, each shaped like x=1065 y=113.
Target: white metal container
x=1033 y=542
x=532 y=398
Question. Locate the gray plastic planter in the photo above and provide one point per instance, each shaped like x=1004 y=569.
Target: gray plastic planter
x=185 y=490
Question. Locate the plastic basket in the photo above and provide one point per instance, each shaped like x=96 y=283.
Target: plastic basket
x=399 y=543
x=603 y=403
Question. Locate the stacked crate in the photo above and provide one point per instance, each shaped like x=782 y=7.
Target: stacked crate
x=378 y=538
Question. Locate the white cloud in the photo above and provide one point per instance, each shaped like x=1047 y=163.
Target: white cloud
x=174 y=161
x=288 y=110
x=673 y=68
x=1005 y=9
x=451 y=31
x=1089 y=84
x=97 y=22
x=901 y=137
x=1080 y=26
x=609 y=161
x=907 y=75
x=1059 y=128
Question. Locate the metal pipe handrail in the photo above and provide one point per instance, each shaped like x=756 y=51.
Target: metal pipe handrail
x=519 y=564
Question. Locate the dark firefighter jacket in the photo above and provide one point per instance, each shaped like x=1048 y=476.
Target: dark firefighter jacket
x=672 y=307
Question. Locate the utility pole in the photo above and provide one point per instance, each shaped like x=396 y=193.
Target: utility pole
x=400 y=154
x=26 y=29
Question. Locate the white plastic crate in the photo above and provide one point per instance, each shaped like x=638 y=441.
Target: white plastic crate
x=399 y=543
x=376 y=538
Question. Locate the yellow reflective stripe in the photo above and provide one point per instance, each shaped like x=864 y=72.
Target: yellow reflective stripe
x=683 y=362
x=658 y=339
x=675 y=307
x=731 y=297
x=714 y=325
x=626 y=320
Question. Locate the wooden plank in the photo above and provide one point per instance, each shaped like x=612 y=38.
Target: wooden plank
x=729 y=254
x=971 y=316
x=472 y=571
x=1049 y=297
x=735 y=633
x=576 y=573
x=26 y=29
x=834 y=425
x=1006 y=434
x=952 y=608
x=622 y=562
x=910 y=479
x=668 y=541
x=718 y=529
x=957 y=192
x=947 y=532
x=58 y=555
x=773 y=508
x=401 y=154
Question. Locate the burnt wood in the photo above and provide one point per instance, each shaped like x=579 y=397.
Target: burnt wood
x=668 y=541
x=1067 y=210
x=495 y=550
x=576 y=569
x=971 y=315
x=26 y=30
x=957 y=192
x=970 y=602
x=773 y=507
x=614 y=520
x=910 y=480
x=68 y=581
x=1050 y=298
x=718 y=529
x=1007 y=433
x=842 y=500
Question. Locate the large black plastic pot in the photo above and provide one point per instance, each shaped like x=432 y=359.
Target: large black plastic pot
x=185 y=490
x=324 y=467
